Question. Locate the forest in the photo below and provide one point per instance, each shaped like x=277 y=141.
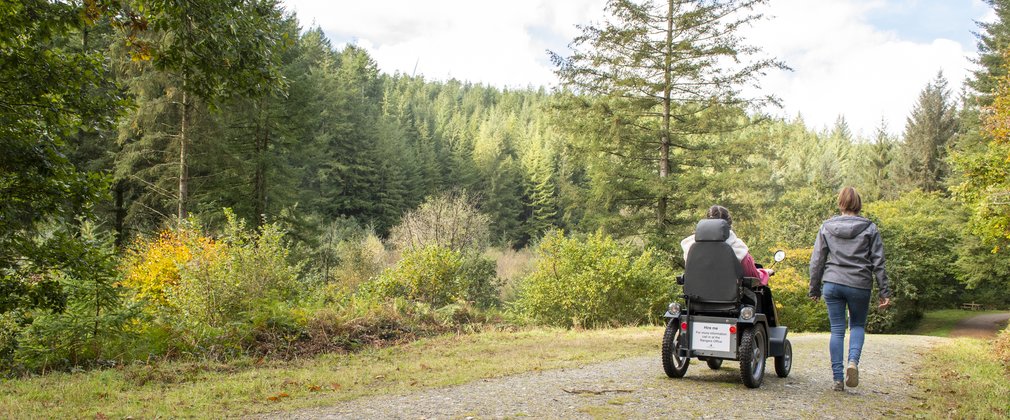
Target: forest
x=214 y=180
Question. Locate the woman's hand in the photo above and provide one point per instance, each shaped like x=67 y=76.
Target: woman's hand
x=884 y=304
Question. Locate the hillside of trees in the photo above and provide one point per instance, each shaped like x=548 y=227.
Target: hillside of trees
x=211 y=179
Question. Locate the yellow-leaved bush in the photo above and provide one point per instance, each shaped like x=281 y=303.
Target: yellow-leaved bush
x=152 y=266
x=790 y=288
x=245 y=269
x=205 y=292
x=795 y=309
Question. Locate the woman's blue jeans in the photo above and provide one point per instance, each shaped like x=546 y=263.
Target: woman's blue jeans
x=839 y=298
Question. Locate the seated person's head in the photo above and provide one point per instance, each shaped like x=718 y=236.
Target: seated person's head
x=720 y=212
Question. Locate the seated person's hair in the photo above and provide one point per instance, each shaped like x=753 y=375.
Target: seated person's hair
x=720 y=212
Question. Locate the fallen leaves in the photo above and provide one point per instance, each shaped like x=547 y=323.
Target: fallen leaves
x=291 y=383
x=279 y=396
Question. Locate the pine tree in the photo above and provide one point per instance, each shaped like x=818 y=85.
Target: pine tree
x=541 y=190
x=878 y=174
x=929 y=131
x=501 y=177
x=841 y=129
x=255 y=171
x=993 y=41
x=653 y=79
x=210 y=50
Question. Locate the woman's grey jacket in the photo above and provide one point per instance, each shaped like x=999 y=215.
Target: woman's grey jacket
x=848 y=250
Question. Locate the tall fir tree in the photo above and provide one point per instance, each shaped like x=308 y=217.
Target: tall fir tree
x=208 y=51
x=878 y=176
x=841 y=129
x=655 y=75
x=993 y=40
x=929 y=130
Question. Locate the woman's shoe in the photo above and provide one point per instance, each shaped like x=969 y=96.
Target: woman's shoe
x=852 y=375
x=839 y=386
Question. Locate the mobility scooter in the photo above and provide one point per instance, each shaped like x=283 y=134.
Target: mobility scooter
x=724 y=316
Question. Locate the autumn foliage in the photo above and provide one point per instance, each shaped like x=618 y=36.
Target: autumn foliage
x=151 y=267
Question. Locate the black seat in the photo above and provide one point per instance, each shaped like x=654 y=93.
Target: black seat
x=712 y=276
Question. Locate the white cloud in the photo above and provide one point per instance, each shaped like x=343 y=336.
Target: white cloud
x=500 y=43
x=842 y=64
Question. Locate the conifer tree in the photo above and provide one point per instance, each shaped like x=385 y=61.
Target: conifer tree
x=654 y=75
x=928 y=132
x=541 y=190
x=879 y=177
x=207 y=51
x=993 y=41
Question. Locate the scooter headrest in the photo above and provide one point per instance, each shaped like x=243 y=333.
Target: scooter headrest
x=711 y=230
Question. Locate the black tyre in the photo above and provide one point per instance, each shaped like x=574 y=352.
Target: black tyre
x=714 y=364
x=752 y=357
x=674 y=365
x=784 y=363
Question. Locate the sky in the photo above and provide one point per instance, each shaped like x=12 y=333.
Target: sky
x=866 y=60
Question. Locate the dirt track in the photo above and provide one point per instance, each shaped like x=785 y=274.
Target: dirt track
x=638 y=388
x=982 y=326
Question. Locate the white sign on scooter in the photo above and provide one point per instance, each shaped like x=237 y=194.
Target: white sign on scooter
x=710 y=336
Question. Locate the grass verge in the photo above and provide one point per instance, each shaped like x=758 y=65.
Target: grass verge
x=248 y=387
x=941 y=323
x=965 y=378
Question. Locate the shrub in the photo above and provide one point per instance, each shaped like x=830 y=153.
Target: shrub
x=86 y=326
x=151 y=267
x=795 y=309
x=921 y=232
x=512 y=266
x=204 y=293
x=1001 y=347
x=594 y=282
x=345 y=254
x=439 y=276
x=449 y=220
x=360 y=259
x=10 y=330
x=228 y=278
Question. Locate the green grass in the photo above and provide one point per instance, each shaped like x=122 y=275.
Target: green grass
x=941 y=323
x=210 y=390
x=964 y=379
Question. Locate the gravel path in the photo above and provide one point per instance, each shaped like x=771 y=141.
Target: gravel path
x=638 y=388
x=982 y=326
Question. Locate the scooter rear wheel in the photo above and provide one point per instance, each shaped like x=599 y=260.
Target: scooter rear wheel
x=674 y=365
x=752 y=357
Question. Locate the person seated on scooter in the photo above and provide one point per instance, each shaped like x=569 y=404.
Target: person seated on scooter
x=739 y=247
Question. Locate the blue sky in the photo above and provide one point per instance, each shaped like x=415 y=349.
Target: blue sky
x=925 y=20
x=864 y=59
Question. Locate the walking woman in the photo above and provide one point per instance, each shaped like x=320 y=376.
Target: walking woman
x=848 y=253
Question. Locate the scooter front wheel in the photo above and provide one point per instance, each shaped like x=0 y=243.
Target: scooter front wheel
x=784 y=363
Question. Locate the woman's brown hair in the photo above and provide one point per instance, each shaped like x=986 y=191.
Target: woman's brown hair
x=720 y=212
x=849 y=201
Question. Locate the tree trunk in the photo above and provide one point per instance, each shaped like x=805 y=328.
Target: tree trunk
x=259 y=179
x=118 y=194
x=184 y=130
x=664 y=144
x=183 y=168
